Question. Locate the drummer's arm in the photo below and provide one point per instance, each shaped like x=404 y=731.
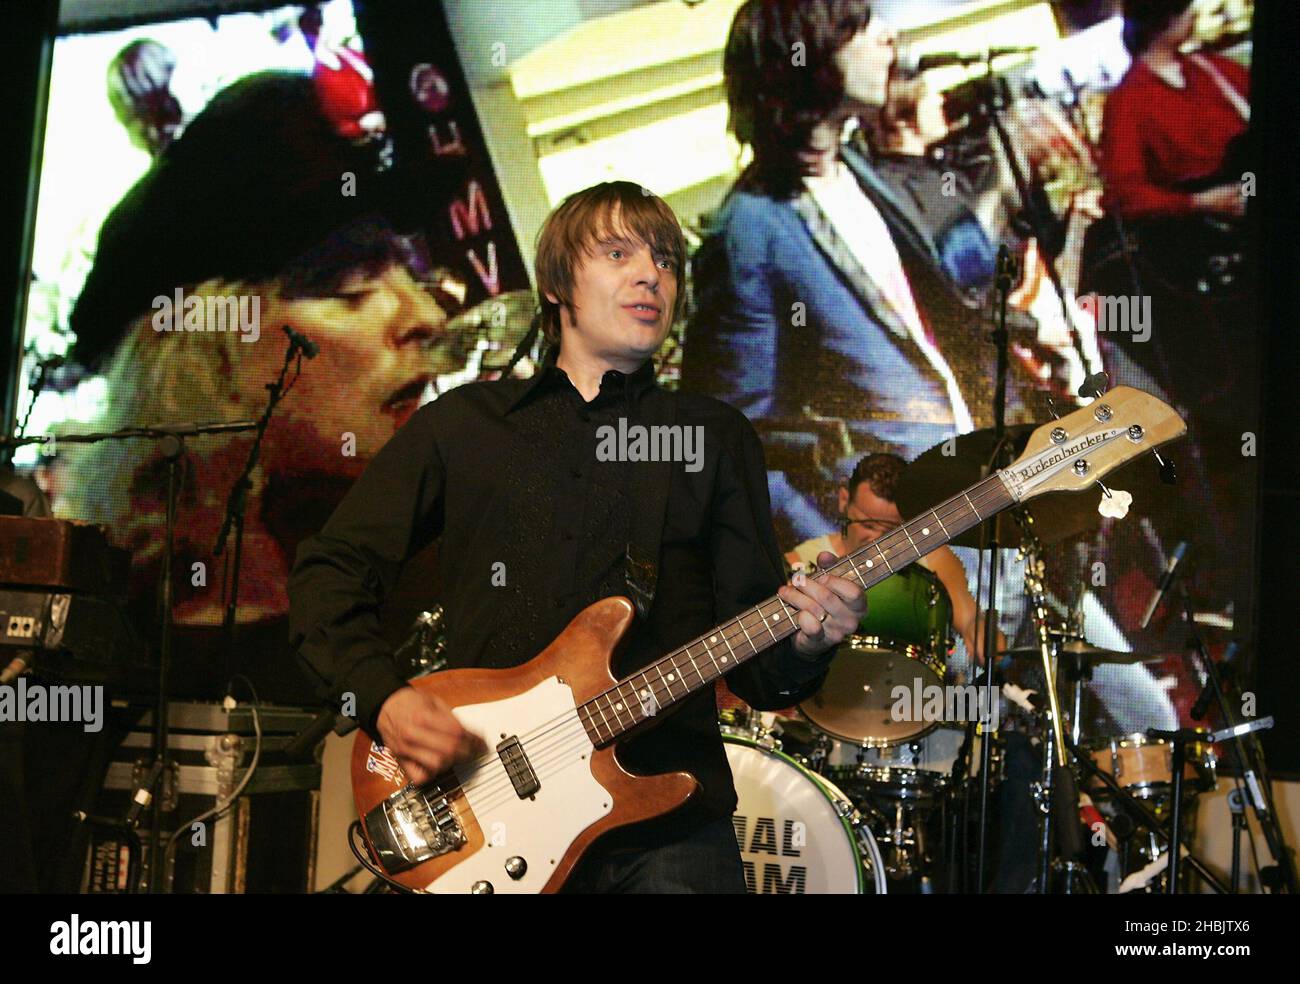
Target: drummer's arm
x=952 y=575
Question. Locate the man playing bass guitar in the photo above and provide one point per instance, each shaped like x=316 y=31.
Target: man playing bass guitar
x=543 y=502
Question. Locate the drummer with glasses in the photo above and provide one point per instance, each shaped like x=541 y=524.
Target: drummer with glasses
x=867 y=512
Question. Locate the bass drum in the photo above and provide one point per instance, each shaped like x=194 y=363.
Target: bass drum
x=797 y=833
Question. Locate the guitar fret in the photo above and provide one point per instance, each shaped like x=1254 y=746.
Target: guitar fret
x=609 y=704
x=606 y=720
x=768 y=624
x=693 y=664
x=618 y=692
x=907 y=533
x=972 y=506
x=709 y=650
x=741 y=622
x=734 y=661
x=935 y=514
x=884 y=558
x=644 y=694
x=667 y=686
x=856 y=573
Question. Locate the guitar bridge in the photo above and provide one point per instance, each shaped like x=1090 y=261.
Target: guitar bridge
x=412 y=826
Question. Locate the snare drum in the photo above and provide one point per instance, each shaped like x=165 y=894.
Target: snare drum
x=1145 y=766
x=916 y=770
x=904 y=640
x=797 y=833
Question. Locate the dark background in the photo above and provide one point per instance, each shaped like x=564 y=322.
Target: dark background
x=25 y=46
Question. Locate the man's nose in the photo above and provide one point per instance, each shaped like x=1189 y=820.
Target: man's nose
x=645 y=270
x=418 y=316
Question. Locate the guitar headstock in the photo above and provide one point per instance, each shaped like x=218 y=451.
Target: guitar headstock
x=1070 y=454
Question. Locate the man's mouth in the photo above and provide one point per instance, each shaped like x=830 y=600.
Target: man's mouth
x=406 y=399
x=643 y=311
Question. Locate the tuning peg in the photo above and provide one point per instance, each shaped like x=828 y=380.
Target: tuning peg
x=1095 y=385
x=1168 y=472
x=1114 y=504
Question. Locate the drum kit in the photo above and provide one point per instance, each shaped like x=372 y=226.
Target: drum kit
x=844 y=794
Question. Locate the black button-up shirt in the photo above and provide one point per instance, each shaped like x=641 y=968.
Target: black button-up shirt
x=533 y=527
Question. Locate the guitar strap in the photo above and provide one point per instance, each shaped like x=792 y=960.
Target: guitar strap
x=648 y=505
x=1229 y=92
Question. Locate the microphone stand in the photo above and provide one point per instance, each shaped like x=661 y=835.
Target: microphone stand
x=171 y=444
x=992 y=101
x=1247 y=752
x=237 y=500
x=1006 y=273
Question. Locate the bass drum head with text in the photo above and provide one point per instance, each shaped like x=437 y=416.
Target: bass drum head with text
x=792 y=838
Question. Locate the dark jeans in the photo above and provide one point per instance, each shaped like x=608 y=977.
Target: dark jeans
x=705 y=861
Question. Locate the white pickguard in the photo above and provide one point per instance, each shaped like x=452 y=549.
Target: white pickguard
x=541 y=828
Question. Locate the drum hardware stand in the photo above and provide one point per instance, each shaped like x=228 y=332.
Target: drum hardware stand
x=1237 y=804
x=1060 y=795
x=1249 y=756
x=1179 y=739
x=1143 y=814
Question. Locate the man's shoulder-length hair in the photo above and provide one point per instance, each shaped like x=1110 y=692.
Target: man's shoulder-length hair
x=586 y=219
x=781 y=77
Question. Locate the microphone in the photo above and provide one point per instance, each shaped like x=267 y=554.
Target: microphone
x=911 y=62
x=1166 y=580
x=302 y=343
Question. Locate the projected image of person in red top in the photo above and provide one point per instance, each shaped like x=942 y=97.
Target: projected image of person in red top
x=1172 y=119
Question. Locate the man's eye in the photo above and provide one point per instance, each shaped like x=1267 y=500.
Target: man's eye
x=615 y=254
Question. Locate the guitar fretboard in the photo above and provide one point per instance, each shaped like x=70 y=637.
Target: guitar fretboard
x=698 y=664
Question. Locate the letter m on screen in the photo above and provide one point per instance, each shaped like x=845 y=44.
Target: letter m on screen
x=470 y=216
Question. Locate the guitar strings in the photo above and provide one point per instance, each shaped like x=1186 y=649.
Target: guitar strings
x=563 y=746
x=539 y=753
x=543 y=755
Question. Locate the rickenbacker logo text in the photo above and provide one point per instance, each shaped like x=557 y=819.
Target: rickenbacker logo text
x=1063 y=453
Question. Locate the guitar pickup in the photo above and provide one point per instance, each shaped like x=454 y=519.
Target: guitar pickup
x=518 y=768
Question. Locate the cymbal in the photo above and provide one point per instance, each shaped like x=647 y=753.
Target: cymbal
x=949 y=468
x=1087 y=652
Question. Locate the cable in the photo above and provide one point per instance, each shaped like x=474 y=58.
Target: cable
x=363 y=856
x=221 y=808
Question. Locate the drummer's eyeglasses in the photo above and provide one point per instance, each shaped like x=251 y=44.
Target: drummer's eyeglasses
x=872 y=521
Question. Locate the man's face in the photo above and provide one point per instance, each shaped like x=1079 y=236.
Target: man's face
x=623 y=299
x=865 y=63
x=372 y=371
x=870 y=517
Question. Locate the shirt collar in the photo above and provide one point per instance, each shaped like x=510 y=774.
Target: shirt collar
x=613 y=384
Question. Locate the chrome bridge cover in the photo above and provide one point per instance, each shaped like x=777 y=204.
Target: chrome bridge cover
x=412 y=826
